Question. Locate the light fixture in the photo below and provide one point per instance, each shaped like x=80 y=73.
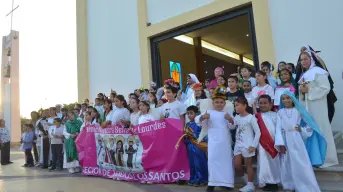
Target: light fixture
x=247 y=34
x=214 y=48
x=185 y=39
x=219 y=50
x=248 y=61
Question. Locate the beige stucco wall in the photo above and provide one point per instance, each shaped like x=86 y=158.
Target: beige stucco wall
x=262 y=30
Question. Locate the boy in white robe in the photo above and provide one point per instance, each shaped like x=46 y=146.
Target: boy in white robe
x=296 y=169
x=268 y=159
x=220 y=165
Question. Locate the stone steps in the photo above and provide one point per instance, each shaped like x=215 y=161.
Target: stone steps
x=338 y=137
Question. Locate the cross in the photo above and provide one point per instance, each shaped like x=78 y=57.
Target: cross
x=11 y=13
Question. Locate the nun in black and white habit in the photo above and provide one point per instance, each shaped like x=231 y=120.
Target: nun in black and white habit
x=331 y=97
x=314 y=89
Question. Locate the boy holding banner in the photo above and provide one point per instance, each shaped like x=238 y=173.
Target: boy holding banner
x=196 y=156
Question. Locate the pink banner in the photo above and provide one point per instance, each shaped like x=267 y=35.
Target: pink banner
x=147 y=155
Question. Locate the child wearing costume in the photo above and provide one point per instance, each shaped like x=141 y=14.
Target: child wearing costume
x=296 y=169
x=196 y=156
x=216 y=121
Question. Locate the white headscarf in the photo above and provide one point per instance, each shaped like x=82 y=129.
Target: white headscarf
x=194 y=78
x=311 y=73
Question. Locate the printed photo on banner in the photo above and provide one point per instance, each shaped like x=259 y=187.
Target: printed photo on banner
x=119 y=152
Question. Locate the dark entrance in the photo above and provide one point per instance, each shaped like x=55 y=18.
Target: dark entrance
x=227 y=40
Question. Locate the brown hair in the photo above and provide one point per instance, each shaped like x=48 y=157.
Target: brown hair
x=122 y=99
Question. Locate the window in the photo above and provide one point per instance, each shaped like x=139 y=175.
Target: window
x=175 y=72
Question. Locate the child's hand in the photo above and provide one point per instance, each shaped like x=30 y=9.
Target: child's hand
x=228 y=117
x=283 y=149
x=297 y=128
x=252 y=149
x=206 y=115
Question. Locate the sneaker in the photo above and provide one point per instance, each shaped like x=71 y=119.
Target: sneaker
x=247 y=188
x=25 y=165
x=149 y=183
x=71 y=170
x=77 y=170
x=30 y=165
x=210 y=189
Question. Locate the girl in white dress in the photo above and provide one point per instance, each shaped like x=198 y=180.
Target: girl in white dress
x=296 y=169
x=281 y=66
x=246 y=75
x=262 y=88
x=152 y=100
x=88 y=120
x=121 y=114
x=95 y=117
x=291 y=67
x=247 y=139
x=268 y=69
x=134 y=105
x=108 y=113
x=145 y=116
x=268 y=159
x=220 y=165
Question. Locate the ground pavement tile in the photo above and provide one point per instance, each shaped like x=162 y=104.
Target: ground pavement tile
x=14 y=178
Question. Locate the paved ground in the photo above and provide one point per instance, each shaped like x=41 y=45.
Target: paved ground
x=14 y=178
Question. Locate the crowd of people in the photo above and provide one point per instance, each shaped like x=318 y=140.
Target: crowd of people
x=283 y=120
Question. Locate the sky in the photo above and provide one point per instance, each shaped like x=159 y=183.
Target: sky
x=48 y=58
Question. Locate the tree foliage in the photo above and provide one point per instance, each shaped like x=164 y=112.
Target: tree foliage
x=24 y=120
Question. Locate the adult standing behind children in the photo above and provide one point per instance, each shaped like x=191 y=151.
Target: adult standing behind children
x=45 y=142
x=217 y=72
x=5 y=140
x=313 y=90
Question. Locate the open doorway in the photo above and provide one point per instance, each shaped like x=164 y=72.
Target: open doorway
x=226 y=41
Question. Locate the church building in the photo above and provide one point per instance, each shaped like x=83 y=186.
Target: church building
x=126 y=44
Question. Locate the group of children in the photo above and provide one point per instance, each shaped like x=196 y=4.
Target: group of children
x=276 y=136
x=268 y=121
x=239 y=123
x=51 y=136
